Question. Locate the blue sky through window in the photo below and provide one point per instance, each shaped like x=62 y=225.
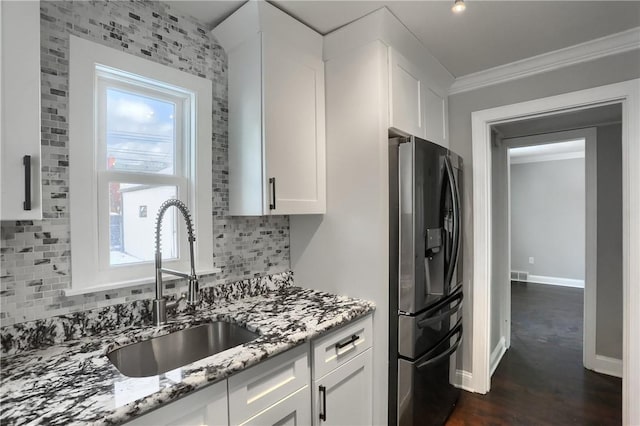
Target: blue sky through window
x=140 y=133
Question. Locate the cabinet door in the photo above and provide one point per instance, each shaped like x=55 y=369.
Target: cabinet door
x=344 y=396
x=20 y=110
x=294 y=130
x=207 y=407
x=436 y=117
x=292 y=410
x=406 y=96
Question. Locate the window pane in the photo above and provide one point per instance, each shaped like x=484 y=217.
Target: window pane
x=140 y=133
x=132 y=217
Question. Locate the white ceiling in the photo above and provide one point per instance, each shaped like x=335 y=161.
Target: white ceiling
x=487 y=34
x=568 y=147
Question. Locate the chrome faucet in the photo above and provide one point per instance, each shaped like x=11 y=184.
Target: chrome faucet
x=160 y=305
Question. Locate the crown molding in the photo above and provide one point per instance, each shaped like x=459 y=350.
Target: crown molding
x=583 y=52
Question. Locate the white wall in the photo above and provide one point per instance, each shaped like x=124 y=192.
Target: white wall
x=346 y=251
x=611 y=69
x=548 y=218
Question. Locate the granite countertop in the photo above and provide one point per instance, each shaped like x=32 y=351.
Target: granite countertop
x=74 y=383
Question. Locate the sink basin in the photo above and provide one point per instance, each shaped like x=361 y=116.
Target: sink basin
x=165 y=353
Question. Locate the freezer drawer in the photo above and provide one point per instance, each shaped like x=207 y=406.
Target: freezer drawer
x=419 y=333
x=426 y=395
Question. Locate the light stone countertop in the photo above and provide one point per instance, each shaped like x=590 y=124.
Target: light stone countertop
x=74 y=383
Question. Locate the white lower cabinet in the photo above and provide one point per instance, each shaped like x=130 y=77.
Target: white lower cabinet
x=344 y=397
x=260 y=389
x=285 y=390
x=293 y=410
x=207 y=407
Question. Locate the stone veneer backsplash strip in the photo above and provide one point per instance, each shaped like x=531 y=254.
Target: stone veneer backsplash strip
x=50 y=331
x=35 y=255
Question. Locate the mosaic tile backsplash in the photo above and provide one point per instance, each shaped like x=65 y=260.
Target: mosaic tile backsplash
x=35 y=255
x=50 y=331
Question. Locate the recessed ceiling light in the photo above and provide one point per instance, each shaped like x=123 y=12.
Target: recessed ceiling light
x=458 y=6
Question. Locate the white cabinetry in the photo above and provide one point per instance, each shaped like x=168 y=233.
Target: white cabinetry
x=278 y=390
x=436 y=116
x=344 y=396
x=20 y=158
x=348 y=251
x=276 y=113
x=342 y=371
x=406 y=96
x=259 y=392
x=207 y=407
x=416 y=106
x=292 y=410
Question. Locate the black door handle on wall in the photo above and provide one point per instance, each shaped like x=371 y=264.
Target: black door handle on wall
x=323 y=395
x=26 y=161
x=272 y=184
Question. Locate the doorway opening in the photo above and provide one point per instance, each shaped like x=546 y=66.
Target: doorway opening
x=628 y=95
x=549 y=331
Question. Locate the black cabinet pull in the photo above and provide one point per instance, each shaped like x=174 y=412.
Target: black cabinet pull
x=26 y=161
x=272 y=184
x=348 y=342
x=323 y=395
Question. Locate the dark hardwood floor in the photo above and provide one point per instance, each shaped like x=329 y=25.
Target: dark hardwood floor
x=541 y=380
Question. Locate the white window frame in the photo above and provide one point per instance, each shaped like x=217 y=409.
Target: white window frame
x=90 y=63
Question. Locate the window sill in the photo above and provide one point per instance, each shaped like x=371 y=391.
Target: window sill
x=134 y=283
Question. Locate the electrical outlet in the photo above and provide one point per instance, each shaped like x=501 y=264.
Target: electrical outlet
x=531 y=260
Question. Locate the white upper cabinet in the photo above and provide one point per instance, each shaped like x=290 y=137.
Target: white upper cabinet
x=436 y=124
x=417 y=84
x=416 y=105
x=406 y=96
x=20 y=111
x=276 y=113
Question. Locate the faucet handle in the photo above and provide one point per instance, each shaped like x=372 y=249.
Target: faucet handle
x=174 y=304
x=193 y=296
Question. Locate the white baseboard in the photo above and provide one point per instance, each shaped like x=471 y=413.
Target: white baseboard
x=464 y=380
x=564 y=282
x=496 y=355
x=609 y=366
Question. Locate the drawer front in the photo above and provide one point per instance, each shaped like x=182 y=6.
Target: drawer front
x=204 y=407
x=294 y=410
x=340 y=346
x=257 y=388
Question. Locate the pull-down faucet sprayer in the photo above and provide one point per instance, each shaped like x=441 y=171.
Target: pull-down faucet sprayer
x=159 y=303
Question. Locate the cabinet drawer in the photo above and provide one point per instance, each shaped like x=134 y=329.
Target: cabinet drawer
x=204 y=407
x=340 y=346
x=293 y=410
x=253 y=390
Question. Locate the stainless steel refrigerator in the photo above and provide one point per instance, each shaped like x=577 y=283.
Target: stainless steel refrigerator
x=425 y=281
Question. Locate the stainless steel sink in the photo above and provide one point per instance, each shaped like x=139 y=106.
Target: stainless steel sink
x=165 y=353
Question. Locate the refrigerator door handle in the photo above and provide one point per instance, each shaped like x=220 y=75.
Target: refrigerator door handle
x=456 y=220
x=444 y=354
x=432 y=320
